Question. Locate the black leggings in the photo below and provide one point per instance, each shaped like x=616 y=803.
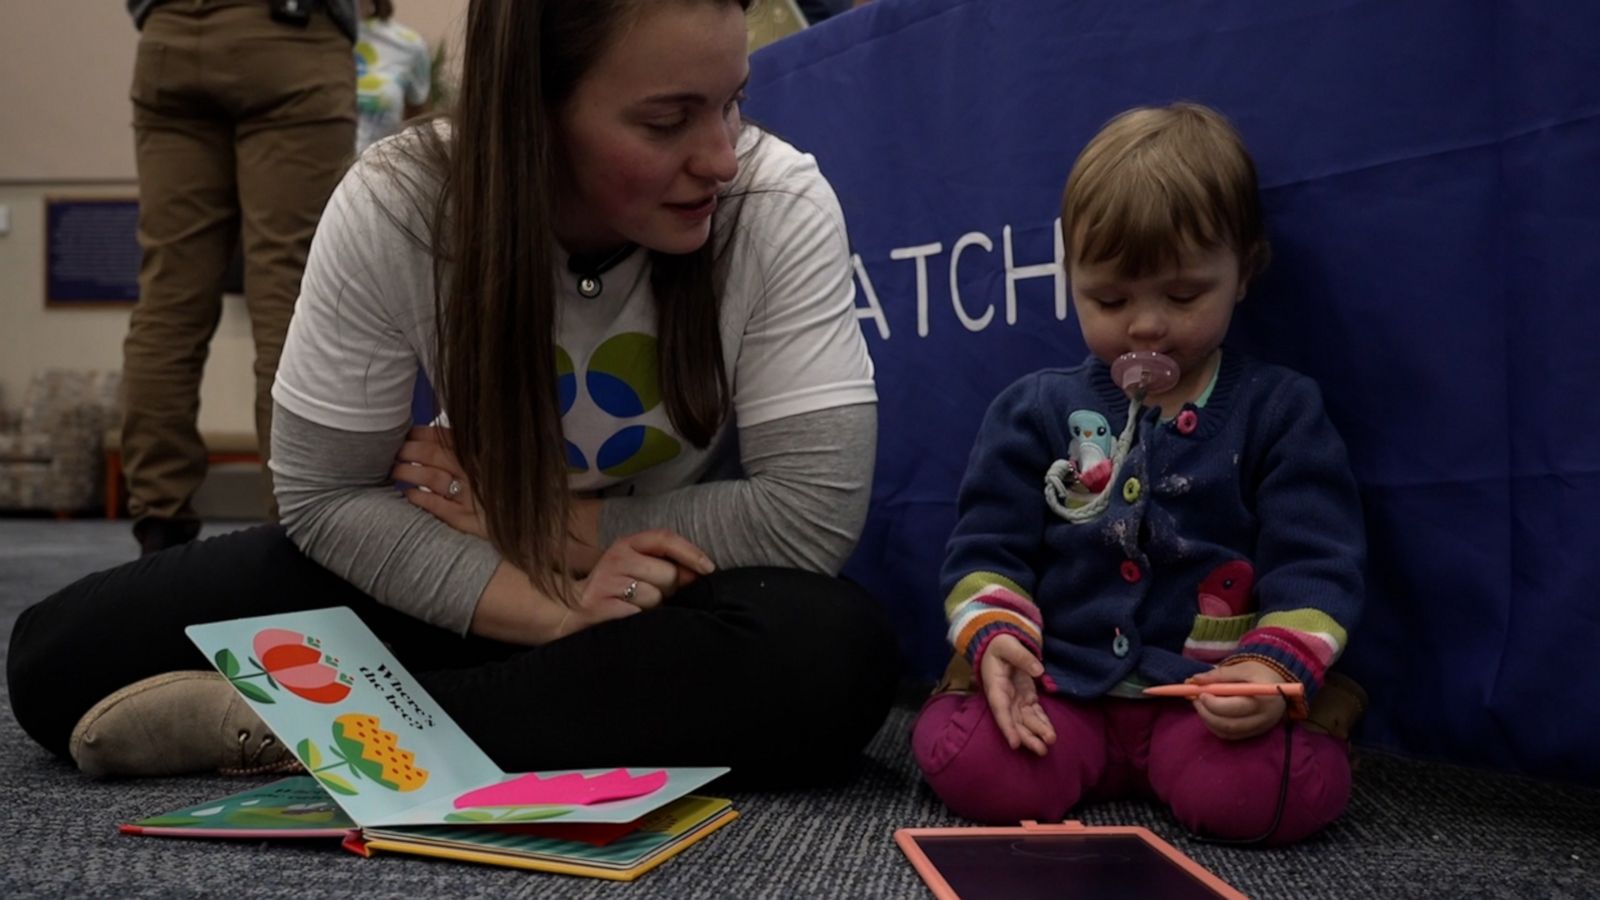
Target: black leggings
x=782 y=675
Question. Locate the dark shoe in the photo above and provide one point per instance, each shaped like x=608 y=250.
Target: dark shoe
x=1337 y=707
x=176 y=724
x=155 y=535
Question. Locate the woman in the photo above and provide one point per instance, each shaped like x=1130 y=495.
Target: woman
x=620 y=292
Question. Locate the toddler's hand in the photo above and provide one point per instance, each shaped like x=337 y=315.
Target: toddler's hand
x=1238 y=718
x=1007 y=672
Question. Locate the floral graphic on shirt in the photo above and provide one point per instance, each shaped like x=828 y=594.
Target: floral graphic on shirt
x=623 y=380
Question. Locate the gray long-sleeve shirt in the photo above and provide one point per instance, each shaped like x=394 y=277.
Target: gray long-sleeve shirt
x=800 y=501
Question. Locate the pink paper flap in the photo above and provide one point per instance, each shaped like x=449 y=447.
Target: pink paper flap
x=572 y=789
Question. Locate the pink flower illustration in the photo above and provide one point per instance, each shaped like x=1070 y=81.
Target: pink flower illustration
x=298 y=663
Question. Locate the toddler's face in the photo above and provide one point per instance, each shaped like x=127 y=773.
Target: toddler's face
x=1182 y=311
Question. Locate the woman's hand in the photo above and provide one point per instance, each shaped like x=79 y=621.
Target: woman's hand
x=426 y=461
x=644 y=569
x=1238 y=718
x=634 y=574
x=1007 y=673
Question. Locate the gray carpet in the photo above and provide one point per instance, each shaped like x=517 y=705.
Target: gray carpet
x=1414 y=829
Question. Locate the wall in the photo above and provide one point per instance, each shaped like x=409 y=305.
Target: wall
x=64 y=131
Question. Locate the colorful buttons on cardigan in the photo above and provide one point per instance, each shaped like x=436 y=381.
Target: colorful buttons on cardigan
x=1130 y=571
x=1119 y=645
x=1131 y=490
x=1187 y=420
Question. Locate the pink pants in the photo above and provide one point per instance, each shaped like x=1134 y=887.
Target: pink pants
x=1119 y=748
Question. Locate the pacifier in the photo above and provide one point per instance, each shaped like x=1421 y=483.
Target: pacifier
x=1144 y=372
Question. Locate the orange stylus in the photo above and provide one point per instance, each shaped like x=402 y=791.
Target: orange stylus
x=1294 y=693
x=1227 y=689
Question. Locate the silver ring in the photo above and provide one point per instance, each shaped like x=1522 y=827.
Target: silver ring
x=632 y=589
x=454 y=490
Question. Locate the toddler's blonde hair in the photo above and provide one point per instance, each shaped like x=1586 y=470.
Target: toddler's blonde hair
x=1158 y=180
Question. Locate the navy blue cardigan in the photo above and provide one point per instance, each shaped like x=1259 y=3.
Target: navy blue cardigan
x=1233 y=531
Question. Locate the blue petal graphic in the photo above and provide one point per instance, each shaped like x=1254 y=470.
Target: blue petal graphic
x=614 y=395
x=566 y=390
x=575 y=460
x=620 y=447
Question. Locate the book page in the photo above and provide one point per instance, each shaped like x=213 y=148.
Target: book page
x=356 y=719
x=386 y=751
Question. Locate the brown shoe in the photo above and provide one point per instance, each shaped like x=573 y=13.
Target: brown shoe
x=1337 y=707
x=176 y=724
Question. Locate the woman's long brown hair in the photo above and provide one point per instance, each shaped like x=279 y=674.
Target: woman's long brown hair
x=495 y=278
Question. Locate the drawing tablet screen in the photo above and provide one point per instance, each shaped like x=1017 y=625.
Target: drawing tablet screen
x=1021 y=867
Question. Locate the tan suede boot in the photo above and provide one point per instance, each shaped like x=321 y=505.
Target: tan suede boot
x=176 y=724
x=1337 y=707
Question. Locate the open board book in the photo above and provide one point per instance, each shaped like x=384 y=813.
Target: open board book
x=402 y=776
x=298 y=807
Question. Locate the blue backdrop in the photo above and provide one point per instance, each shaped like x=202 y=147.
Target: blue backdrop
x=1431 y=172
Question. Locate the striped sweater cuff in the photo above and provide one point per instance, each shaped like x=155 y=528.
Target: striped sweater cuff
x=1288 y=652
x=983 y=606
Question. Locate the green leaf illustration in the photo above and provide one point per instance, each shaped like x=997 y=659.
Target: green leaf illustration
x=227 y=663
x=350 y=750
x=339 y=752
x=253 y=692
x=337 y=785
x=263 y=670
x=470 y=815
x=533 y=813
x=310 y=756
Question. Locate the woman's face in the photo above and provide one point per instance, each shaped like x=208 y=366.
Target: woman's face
x=648 y=134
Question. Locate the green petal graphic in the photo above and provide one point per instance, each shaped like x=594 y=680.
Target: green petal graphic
x=227 y=663
x=310 y=756
x=469 y=816
x=631 y=357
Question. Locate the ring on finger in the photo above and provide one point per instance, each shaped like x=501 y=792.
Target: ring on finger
x=630 y=591
x=454 y=490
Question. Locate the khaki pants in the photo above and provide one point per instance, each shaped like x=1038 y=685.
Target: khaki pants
x=242 y=127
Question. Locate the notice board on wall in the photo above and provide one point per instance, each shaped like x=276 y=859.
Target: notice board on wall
x=91 y=251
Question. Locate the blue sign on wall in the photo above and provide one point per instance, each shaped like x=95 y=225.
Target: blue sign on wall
x=91 y=250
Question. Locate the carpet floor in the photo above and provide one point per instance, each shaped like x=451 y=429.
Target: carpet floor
x=1414 y=829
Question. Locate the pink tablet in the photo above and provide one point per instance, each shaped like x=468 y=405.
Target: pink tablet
x=1068 y=860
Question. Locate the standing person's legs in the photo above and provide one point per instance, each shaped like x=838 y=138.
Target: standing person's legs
x=1232 y=789
x=968 y=763
x=293 y=91
x=187 y=216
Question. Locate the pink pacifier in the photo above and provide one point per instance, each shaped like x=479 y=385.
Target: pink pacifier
x=1145 y=372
